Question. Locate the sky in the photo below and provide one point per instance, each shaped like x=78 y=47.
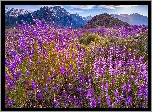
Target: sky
x=87 y=10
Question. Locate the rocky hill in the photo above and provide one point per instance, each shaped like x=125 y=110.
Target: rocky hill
x=104 y=20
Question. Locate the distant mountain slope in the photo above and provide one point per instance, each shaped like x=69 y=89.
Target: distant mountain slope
x=104 y=20
x=133 y=19
x=16 y=15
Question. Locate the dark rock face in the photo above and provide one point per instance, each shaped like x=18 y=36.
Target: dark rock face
x=104 y=20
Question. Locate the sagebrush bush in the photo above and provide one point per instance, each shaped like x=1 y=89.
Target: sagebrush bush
x=90 y=38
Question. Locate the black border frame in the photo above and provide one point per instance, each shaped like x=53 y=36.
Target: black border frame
x=74 y=3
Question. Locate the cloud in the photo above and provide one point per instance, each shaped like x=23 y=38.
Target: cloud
x=81 y=6
x=50 y=6
x=115 y=6
x=75 y=11
x=107 y=6
x=126 y=6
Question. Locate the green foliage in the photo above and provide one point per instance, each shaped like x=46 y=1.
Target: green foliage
x=90 y=38
x=82 y=40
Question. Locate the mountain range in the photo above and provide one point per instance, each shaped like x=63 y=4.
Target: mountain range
x=57 y=15
x=62 y=18
x=133 y=19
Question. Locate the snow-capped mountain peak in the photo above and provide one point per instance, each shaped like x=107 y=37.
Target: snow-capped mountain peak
x=15 y=12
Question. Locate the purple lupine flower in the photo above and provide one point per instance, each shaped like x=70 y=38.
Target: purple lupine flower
x=50 y=78
x=44 y=72
x=64 y=95
x=27 y=72
x=70 y=86
x=19 y=73
x=66 y=73
x=143 y=105
x=141 y=58
x=79 y=90
x=56 y=87
x=140 y=92
x=117 y=74
x=81 y=79
x=102 y=86
x=38 y=90
x=101 y=72
x=16 y=77
x=56 y=103
x=103 y=81
x=7 y=62
x=116 y=93
x=145 y=76
x=25 y=82
x=69 y=99
x=106 y=86
x=53 y=60
x=129 y=87
x=46 y=87
x=99 y=100
x=73 y=74
x=62 y=69
x=113 y=81
x=64 y=104
x=87 y=85
x=136 y=81
x=70 y=67
x=79 y=68
x=6 y=98
x=10 y=84
x=146 y=93
x=118 y=101
x=131 y=77
x=92 y=103
x=78 y=60
x=10 y=102
x=90 y=93
x=129 y=100
x=72 y=55
x=58 y=48
x=34 y=85
x=121 y=97
x=111 y=105
x=55 y=74
x=38 y=63
x=108 y=100
x=75 y=100
x=124 y=87
x=13 y=66
x=40 y=96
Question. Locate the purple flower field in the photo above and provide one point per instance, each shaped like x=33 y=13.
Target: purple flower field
x=48 y=67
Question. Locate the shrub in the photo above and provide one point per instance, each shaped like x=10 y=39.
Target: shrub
x=82 y=40
x=90 y=38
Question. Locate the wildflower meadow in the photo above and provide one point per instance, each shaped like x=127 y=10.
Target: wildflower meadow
x=48 y=67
